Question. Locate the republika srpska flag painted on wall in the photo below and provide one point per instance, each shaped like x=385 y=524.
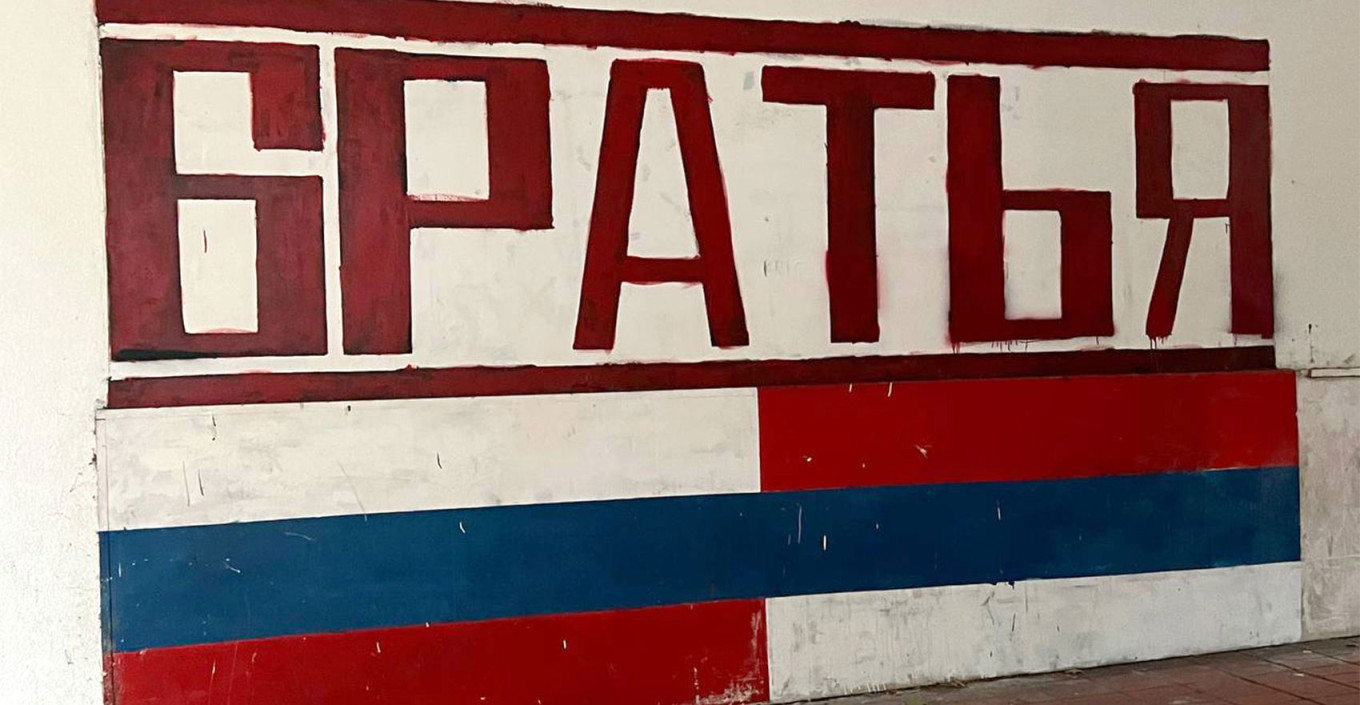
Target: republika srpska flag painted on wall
x=478 y=353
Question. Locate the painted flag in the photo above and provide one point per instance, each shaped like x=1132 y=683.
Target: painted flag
x=727 y=545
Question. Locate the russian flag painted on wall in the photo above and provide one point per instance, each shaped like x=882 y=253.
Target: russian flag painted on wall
x=709 y=546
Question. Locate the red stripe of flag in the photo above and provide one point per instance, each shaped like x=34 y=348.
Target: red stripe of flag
x=668 y=655
x=1024 y=429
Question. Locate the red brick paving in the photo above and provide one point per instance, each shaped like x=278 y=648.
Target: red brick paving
x=1317 y=673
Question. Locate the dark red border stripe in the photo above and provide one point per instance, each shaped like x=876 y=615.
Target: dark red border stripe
x=537 y=24
x=684 y=654
x=417 y=383
x=1024 y=429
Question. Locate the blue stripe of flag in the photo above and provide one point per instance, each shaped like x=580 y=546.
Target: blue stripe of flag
x=188 y=585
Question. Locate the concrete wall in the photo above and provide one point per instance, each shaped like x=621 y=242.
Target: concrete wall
x=1330 y=480
x=53 y=352
x=174 y=462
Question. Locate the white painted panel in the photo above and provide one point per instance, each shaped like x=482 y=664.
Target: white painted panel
x=1329 y=484
x=1315 y=146
x=1199 y=149
x=661 y=224
x=496 y=296
x=217 y=277
x=1033 y=269
x=205 y=466
x=212 y=118
x=213 y=130
x=446 y=140
x=825 y=645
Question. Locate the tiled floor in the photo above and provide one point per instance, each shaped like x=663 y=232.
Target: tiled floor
x=1319 y=673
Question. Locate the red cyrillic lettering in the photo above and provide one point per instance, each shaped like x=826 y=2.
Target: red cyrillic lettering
x=377 y=214
x=978 y=201
x=608 y=265
x=850 y=97
x=1246 y=205
x=145 y=300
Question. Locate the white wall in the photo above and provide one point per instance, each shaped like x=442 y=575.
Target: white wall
x=52 y=313
x=52 y=352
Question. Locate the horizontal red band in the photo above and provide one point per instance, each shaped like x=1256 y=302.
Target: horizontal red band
x=686 y=654
x=416 y=383
x=537 y=24
x=1024 y=429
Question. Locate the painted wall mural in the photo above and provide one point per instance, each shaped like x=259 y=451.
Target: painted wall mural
x=484 y=353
